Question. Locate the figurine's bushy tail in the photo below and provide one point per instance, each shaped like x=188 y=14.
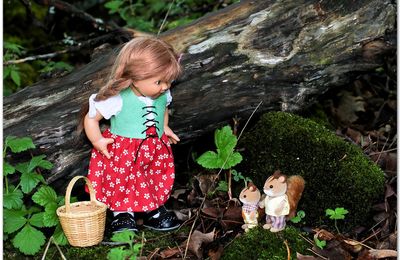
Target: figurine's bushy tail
x=294 y=191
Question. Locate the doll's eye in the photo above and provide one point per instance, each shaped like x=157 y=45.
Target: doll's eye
x=271 y=186
x=244 y=196
x=158 y=82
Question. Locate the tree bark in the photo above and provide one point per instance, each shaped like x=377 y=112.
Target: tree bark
x=283 y=53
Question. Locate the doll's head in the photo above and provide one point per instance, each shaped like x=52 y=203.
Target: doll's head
x=250 y=195
x=275 y=185
x=140 y=59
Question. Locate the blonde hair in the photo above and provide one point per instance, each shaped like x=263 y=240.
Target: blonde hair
x=141 y=58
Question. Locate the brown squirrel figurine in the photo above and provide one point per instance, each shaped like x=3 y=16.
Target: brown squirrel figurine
x=250 y=197
x=283 y=195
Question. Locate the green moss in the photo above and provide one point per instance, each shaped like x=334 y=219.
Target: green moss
x=337 y=174
x=262 y=244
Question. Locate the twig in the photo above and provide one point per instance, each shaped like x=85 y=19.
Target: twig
x=373 y=234
x=204 y=199
x=142 y=242
x=165 y=18
x=153 y=253
x=89 y=43
x=317 y=254
x=287 y=249
x=51 y=239
x=390 y=150
x=380 y=154
x=36 y=57
x=307 y=239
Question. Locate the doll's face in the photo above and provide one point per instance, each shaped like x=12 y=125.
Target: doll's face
x=151 y=87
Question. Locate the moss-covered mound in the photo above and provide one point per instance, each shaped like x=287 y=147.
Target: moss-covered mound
x=259 y=243
x=337 y=173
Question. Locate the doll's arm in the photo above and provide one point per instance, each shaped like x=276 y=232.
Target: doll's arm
x=92 y=130
x=173 y=138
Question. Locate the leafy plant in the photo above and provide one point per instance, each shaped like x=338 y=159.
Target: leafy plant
x=11 y=73
x=148 y=15
x=336 y=214
x=319 y=243
x=299 y=216
x=122 y=252
x=52 y=65
x=23 y=219
x=225 y=157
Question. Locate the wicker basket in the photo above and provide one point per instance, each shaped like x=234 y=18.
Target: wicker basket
x=83 y=222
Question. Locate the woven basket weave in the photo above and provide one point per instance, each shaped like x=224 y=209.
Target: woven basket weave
x=83 y=222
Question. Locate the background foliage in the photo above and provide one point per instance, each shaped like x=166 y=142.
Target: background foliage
x=40 y=30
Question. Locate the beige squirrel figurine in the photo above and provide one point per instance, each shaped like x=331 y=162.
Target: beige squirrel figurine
x=250 y=197
x=283 y=195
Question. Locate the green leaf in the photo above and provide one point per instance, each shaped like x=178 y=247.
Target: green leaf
x=6 y=71
x=59 y=236
x=329 y=212
x=209 y=160
x=16 y=77
x=136 y=248
x=13 y=220
x=22 y=167
x=320 y=243
x=301 y=213
x=124 y=236
x=29 y=240
x=225 y=141
x=341 y=212
x=13 y=199
x=338 y=213
x=29 y=181
x=37 y=161
x=19 y=144
x=44 y=196
x=233 y=160
x=15 y=48
x=117 y=253
x=37 y=220
x=295 y=219
x=113 y=6
x=50 y=217
x=8 y=169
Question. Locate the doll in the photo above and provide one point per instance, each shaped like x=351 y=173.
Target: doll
x=283 y=195
x=250 y=198
x=131 y=165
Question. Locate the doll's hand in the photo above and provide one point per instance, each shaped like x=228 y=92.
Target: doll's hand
x=101 y=146
x=173 y=138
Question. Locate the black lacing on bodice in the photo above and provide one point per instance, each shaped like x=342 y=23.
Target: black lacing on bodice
x=148 y=111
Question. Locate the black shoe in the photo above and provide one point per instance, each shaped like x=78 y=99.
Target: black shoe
x=123 y=221
x=161 y=220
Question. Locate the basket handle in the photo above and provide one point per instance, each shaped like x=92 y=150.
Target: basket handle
x=69 y=189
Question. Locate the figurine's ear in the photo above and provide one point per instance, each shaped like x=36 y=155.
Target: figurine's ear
x=282 y=179
x=251 y=186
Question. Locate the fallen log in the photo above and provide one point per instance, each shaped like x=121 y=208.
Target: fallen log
x=284 y=53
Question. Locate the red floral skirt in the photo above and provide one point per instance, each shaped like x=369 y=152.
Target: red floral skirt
x=139 y=175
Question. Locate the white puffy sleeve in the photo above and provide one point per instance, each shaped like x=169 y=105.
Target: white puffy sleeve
x=169 y=97
x=107 y=108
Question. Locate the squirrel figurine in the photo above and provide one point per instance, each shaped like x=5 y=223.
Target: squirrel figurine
x=283 y=195
x=250 y=197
